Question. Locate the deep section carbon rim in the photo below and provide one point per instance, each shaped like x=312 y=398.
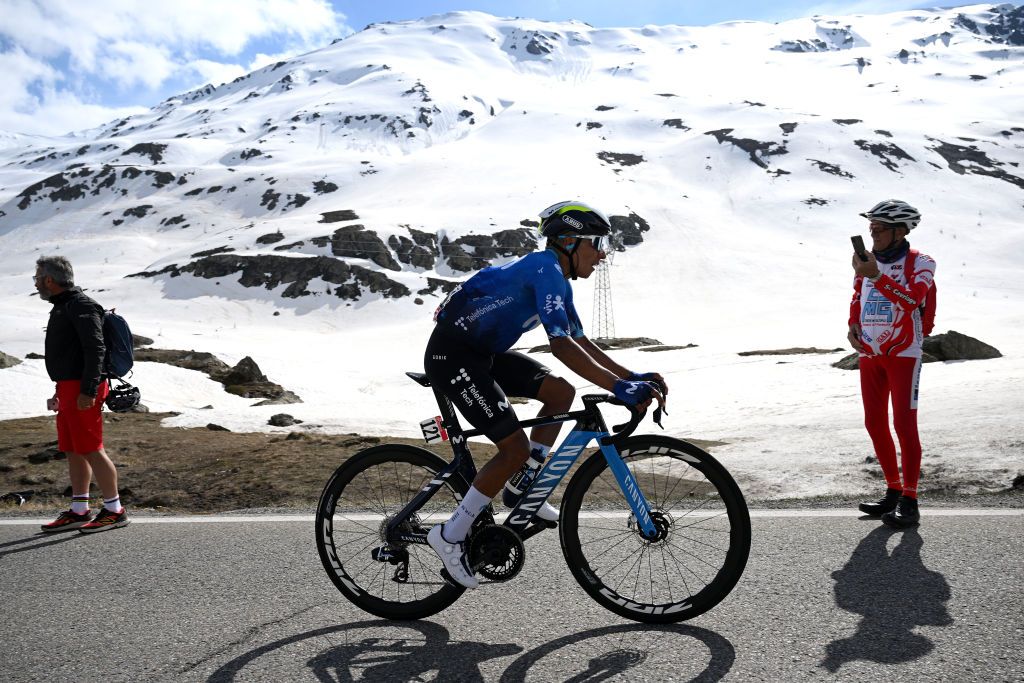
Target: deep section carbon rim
x=354 y=511
x=702 y=540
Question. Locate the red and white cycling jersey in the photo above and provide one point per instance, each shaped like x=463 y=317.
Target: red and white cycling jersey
x=888 y=310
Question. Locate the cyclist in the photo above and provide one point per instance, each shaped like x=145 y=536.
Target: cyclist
x=468 y=360
x=885 y=327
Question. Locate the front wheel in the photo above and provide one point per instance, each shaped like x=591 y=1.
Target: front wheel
x=355 y=508
x=703 y=535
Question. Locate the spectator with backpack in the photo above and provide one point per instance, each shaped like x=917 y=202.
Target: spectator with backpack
x=76 y=360
x=892 y=310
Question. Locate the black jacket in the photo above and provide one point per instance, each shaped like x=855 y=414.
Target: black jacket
x=74 y=340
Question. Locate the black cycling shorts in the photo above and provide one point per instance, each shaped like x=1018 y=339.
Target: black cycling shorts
x=478 y=384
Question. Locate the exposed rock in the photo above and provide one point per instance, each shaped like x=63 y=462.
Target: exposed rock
x=654 y=349
x=338 y=216
x=34 y=356
x=269 y=271
x=675 y=123
x=283 y=420
x=886 y=151
x=355 y=241
x=955 y=346
x=627 y=231
x=796 y=350
x=850 y=362
x=832 y=169
x=473 y=252
x=211 y=252
x=46 y=455
x=972 y=160
x=411 y=253
x=189 y=360
x=286 y=397
x=139 y=341
x=153 y=150
x=756 y=149
x=620 y=158
x=270 y=238
x=610 y=344
x=434 y=284
x=324 y=187
x=217 y=428
x=246 y=371
x=8 y=361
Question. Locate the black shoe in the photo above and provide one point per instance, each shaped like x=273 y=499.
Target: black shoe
x=887 y=503
x=905 y=515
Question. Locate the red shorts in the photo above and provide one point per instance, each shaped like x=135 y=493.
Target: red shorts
x=79 y=431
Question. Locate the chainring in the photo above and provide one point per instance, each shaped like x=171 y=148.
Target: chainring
x=496 y=552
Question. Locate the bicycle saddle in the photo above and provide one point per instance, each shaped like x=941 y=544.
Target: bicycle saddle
x=420 y=378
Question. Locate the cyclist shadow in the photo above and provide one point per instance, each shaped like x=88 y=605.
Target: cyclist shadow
x=894 y=594
x=628 y=655
x=390 y=652
x=39 y=536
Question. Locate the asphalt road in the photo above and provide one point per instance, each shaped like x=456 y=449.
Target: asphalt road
x=824 y=597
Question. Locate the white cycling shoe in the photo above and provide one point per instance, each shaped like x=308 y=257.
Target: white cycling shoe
x=453 y=556
x=548 y=512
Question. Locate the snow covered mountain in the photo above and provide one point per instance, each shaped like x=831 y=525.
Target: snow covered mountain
x=312 y=213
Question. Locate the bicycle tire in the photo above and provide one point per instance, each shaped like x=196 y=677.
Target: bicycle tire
x=700 y=506
x=369 y=488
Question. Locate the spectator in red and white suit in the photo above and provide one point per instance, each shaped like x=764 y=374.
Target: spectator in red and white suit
x=885 y=327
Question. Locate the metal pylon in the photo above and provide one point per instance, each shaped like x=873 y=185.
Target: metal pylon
x=604 y=316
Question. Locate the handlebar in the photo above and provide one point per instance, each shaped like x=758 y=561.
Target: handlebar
x=621 y=431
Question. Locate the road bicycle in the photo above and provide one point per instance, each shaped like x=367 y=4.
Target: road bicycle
x=652 y=528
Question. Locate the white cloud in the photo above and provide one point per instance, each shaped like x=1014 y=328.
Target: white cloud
x=130 y=49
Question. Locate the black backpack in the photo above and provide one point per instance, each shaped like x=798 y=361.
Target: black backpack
x=118 y=362
x=117 y=337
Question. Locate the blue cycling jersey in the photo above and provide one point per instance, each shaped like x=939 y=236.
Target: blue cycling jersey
x=496 y=306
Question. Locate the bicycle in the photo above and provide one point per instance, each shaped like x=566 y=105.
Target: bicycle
x=375 y=511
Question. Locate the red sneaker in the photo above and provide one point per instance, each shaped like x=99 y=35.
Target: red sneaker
x=105 y=521
x=67 y=521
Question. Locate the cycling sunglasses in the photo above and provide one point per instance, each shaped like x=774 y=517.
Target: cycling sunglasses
x=599 y=242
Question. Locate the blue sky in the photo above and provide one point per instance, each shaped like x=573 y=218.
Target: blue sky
x=69 y=65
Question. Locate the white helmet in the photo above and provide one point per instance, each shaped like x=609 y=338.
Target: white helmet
x=894 y=211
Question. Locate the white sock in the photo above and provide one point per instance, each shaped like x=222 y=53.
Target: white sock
x=80 y=503
x=457 y=527
x=112 y=505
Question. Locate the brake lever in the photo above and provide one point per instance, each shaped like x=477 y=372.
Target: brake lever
x=658 y=412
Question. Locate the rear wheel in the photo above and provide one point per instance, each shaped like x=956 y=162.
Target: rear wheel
x=355 y=508
x=703 y=537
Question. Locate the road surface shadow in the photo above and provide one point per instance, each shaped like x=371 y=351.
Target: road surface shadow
x=631 y=652
x=894 y=594
x=383 y=654
x=61 y=537
x=403 y=651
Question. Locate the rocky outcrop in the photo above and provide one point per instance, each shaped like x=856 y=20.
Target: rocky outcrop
x=355 y=241
x=755 y=149
x=796 y=350
x=955 y=346
x=628 y=231
x=189 y=360
x=473 y=252
x=948 y=346
x=8 y=361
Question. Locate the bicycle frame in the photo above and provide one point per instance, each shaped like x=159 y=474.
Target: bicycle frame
x=590 y=426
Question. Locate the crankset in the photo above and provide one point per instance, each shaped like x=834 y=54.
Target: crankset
x=496 y=552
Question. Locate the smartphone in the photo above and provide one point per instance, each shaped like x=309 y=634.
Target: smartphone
x=858 y=246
